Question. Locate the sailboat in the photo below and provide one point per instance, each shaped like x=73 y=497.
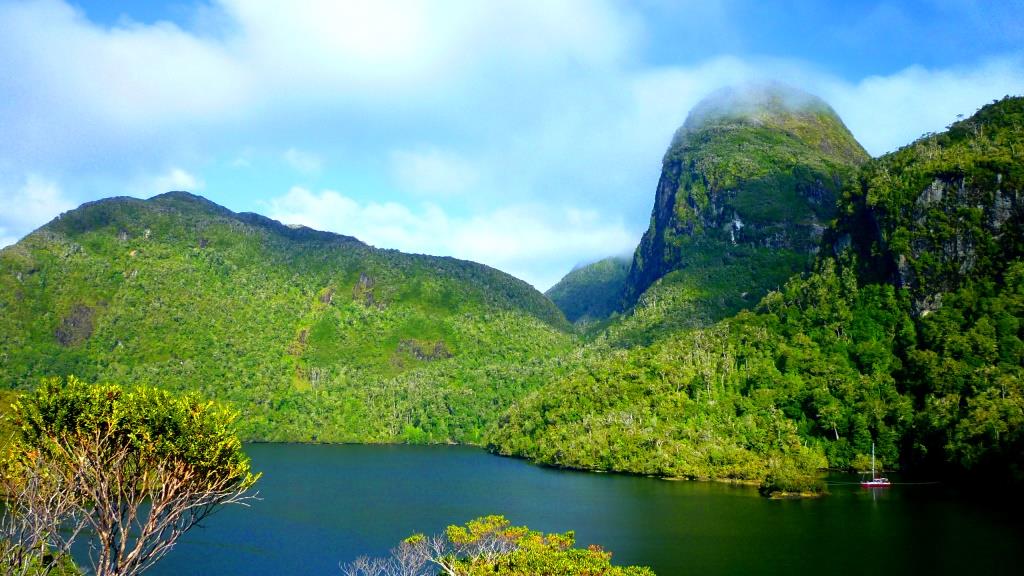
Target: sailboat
x=875 y=481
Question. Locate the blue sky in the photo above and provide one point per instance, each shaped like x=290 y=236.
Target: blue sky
x=527 y=135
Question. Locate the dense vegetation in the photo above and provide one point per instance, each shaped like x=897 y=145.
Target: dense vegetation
x=8 y=430
x=310 y=335
x=591 y=293
x=946 y=227
x=766 y=393
x=907 y=334
x=717 y=282
x=491 y=545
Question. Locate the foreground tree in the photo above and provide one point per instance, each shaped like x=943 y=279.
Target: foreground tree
x=492 y=546
x=137 y=467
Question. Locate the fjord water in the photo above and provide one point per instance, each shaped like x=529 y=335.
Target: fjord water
x=321 y=505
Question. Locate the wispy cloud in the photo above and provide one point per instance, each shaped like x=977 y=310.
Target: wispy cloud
x=305 y=162
x=433 y=172
x=886 y=112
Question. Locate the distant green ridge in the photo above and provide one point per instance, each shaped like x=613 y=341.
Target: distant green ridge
x=591 y=292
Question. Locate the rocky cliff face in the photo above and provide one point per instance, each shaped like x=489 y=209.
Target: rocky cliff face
x=755 y=167
x=944 y=209
x=949 y=222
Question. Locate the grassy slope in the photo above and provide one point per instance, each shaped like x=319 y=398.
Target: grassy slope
x=717 y=282
x=311 y=335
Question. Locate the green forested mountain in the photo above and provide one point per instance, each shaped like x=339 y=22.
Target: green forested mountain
x=902 y=327
x=312 y=335
x=592 y=292
x=747 y=187
x=906 y=334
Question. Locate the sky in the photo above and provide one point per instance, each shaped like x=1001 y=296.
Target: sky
x=526 y=135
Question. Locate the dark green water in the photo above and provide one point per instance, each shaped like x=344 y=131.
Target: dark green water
x=325 y=504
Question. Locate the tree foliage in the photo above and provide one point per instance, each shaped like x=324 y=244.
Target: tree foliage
x=904 y=332
x=137 y=467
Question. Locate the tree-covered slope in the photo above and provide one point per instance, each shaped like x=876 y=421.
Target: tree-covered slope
x=943 y=220
x=592 y=292
x=747 y=187
x=907 y=335
x=311 y=335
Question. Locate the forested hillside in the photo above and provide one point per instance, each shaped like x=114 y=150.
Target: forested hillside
x=907 y=334
x=313 y=336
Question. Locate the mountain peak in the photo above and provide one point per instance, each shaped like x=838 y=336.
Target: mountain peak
x=747 y=188
x=759 y=103
x=180 y=195
x=773 y=106
x=181 y=199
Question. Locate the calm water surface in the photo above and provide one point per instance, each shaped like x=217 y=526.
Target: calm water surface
x=325 y=504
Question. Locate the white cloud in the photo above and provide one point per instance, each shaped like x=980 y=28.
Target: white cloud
x=562 y=77
x=78 y=95
x=31 y=205
x=305 y=162
x=536 y=243
x=70 y=85
x=883 y=112
x=242 y=159
x=174 y=179
x=886 y=112
x=136 y=76
x=433 y=172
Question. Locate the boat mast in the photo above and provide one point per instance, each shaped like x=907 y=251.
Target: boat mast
x=872 y=460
